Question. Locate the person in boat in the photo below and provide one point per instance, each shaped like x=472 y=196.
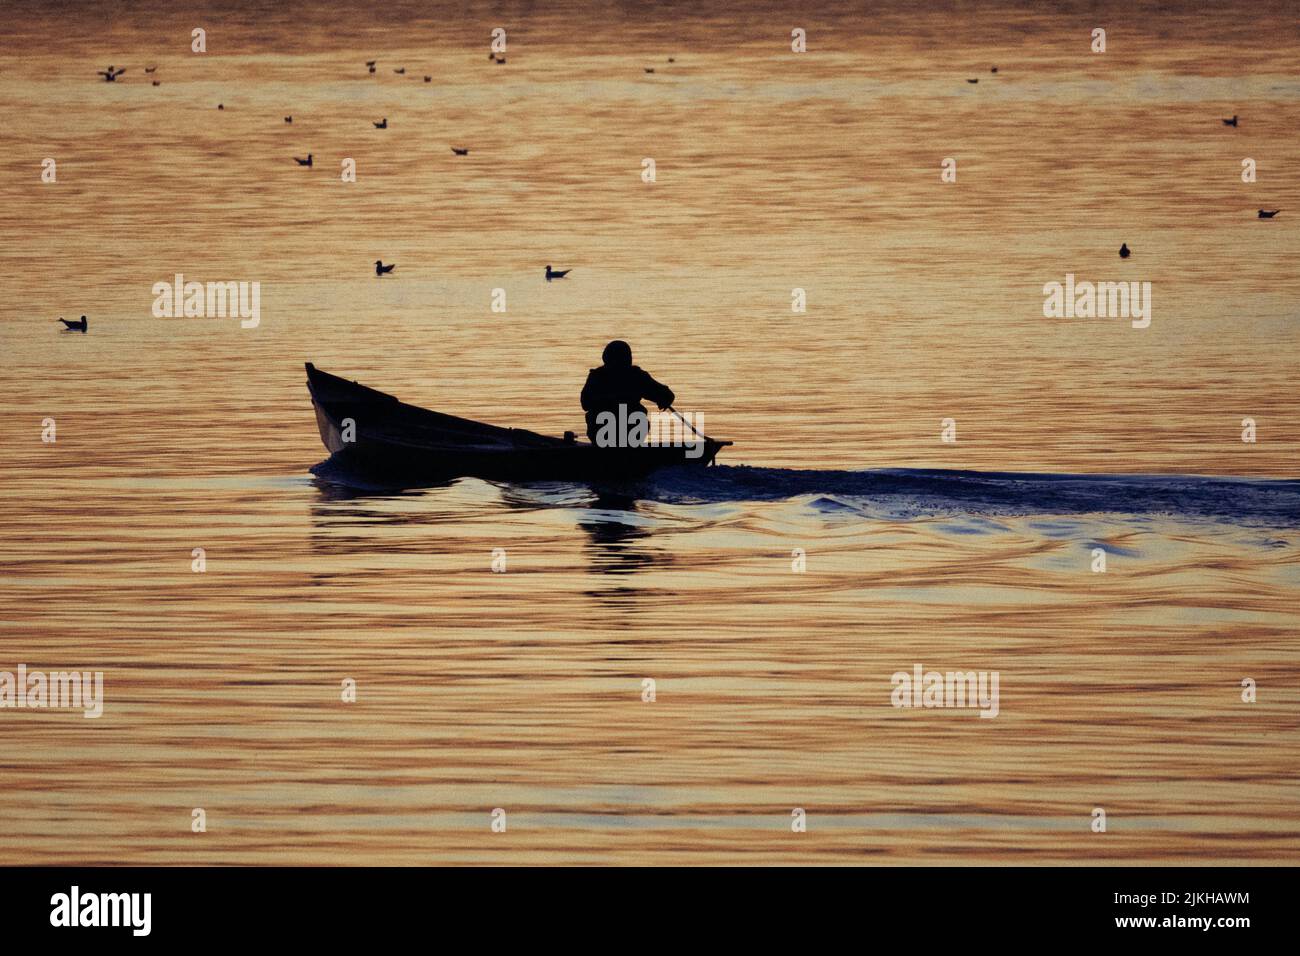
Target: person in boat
x=612 y=399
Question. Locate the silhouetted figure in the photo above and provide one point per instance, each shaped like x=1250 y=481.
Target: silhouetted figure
x=383 y=270
x=401 y=72
x=1124 y=251
x=460 y=152
x=556 y=273
x=1231 y=122
x=79 y=326
x=303 y=162
x=382 y=124
x=1268 y=213
x=620 y=383
x=110 y=75
x=150 y=69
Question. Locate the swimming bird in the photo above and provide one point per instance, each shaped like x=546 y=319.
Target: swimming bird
x=150 y=69
x=972 y=81
x=672 y=59
x=1231 y=122
x=649 y=69
x=382 y=124
x=221 y=106
x=994 y=70
x=157 y=82
x=303 y=162
x=74 y=326
x=556 y=274
x=1268 y=213
x=460 y=152
x=428 y=79
x=288 y=119
x=381 y=269
x=110 y=75
x=1124 y=252
x=400 y=72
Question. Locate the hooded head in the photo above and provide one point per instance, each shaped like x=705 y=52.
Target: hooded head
x=617 y=354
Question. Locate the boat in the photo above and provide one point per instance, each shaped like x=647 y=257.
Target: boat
x=376 y=435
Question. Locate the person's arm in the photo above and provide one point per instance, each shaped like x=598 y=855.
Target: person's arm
x=656 y=392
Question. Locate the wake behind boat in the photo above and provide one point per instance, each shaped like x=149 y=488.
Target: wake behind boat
x=380 y=437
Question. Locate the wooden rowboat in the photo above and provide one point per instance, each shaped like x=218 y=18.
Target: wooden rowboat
x=393 y=440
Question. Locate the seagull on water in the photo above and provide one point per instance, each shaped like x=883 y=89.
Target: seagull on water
x=1124 y=251
x=382 y=124
x=460 y=152
x=1268 y=213
x=303 y=162
x=1231 y=122
x=79 y=326
x=556 y=273
x=383 y=270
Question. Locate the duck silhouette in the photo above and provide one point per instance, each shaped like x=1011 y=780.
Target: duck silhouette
x=972 y=81
x=1231 y=122
x=382 y=124
x=460 y=152
x=150 y=69
x=79 y=326
x=157 y=82
x=649 y=69
x=303 y=162
x=110 y=75
x=401 y=72
x=1124 y=251
x=1268 y=213
x=994 y=70
x=556 y=273
x=221 y=106
x=428 y=79
x=383 y=270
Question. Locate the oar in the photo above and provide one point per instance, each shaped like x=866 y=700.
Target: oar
x=698 y=433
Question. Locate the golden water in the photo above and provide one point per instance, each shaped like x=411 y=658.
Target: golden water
x=522 y=690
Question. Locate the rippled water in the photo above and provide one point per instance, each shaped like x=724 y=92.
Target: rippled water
x=523 y=690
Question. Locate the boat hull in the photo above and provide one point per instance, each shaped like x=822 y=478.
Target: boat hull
x=376 y=436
